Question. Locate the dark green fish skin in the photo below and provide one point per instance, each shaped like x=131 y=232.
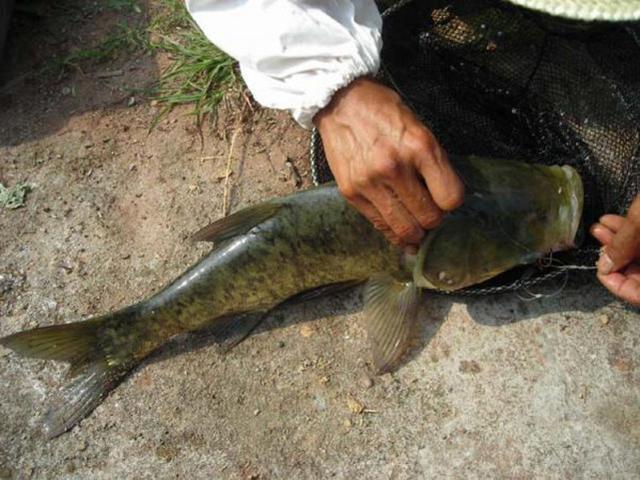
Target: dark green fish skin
x=513 y=214
x=314 y=239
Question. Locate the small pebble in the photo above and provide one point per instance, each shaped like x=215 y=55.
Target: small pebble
x=354 y=405
x=604 y=319
x=306 y=331
x=256 y=412
x=366 y=382
x=66 y=266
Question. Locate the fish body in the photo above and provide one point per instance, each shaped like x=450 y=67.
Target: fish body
x=513 y=214
x=299 y=243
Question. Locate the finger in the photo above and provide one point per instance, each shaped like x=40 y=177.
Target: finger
x=623 y=249
x=415 y=197
x=612 y=222
x=634 y=211
x=446 y=188
x=602 y=233
x=376 y=219
x=396 y=216
x=622 y=286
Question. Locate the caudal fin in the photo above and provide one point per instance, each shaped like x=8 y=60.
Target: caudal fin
x=96 y=367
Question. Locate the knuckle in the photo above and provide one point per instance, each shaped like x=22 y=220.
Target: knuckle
x=348 y=192
x=387 y=168
x=422 y=141
x=407 y=231
x=430 y=218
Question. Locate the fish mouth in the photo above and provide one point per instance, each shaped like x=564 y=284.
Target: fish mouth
x=570 y=212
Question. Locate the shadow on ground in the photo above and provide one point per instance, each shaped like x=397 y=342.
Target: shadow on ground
x=496 y=310
x=66 y=58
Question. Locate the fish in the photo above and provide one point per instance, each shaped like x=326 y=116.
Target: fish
x=310 y=243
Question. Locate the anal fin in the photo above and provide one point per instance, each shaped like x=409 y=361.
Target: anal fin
x=229 y=331
x=390 y=311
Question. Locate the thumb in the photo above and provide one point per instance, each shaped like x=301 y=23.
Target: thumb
x=625 y=246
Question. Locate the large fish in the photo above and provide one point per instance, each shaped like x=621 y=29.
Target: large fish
x=513 y=214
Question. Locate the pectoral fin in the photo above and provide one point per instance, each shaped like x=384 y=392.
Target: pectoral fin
x=390 y=310
x=237 y=223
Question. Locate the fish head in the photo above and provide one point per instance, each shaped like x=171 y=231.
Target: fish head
x=513 y=214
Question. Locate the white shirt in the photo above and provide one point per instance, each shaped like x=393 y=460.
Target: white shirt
x=295 y=54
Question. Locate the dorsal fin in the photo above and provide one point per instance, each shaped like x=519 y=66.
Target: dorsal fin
x=237 y=223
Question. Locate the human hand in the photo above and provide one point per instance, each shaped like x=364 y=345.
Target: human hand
x=386 y=162
x=619 y=264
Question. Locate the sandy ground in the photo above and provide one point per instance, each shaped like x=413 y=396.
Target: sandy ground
x=497 y=386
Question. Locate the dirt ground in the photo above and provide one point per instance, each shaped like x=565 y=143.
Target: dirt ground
x=497 y=387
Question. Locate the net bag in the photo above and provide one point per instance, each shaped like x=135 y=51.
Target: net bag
x=490 y=78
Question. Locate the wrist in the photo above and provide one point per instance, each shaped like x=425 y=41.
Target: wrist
x=345 y=99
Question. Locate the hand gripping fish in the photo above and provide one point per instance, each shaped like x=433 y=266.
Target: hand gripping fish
x=513 y=214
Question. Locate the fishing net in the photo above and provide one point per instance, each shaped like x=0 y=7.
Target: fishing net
x=492 y=79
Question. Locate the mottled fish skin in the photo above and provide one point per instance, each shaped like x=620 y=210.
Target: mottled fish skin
x=314 y=239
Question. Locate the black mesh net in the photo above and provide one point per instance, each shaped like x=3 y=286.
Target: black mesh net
x=492 y=79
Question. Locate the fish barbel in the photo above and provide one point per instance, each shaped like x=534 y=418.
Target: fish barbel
x=313 y=241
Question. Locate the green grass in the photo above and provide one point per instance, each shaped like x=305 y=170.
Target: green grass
x=200 y=74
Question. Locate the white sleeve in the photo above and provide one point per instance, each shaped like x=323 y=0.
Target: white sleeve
x=294 y=54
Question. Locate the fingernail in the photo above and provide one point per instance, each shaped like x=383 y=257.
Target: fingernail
x=605 y=265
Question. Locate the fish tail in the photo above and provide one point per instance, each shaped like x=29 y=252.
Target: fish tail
x=98 y=363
